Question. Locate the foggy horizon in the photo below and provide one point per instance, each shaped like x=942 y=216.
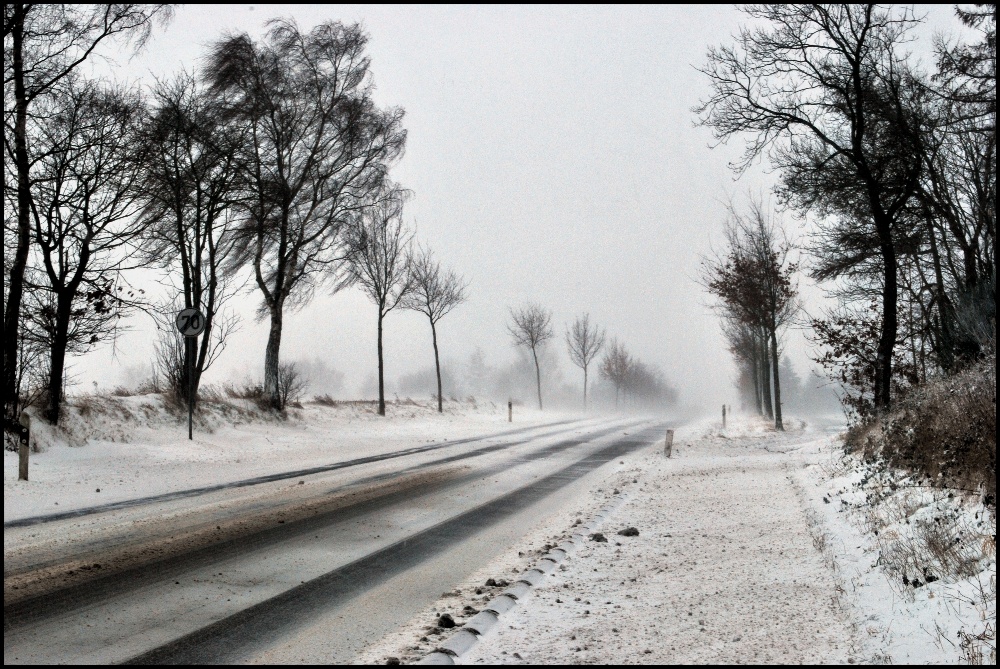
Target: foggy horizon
x=553 y=158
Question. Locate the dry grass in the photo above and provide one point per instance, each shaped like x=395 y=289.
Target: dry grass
x=247 y=390
x=926 y=535
x=944 y=432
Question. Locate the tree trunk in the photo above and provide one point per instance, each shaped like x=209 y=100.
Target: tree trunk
x=585 y=389
x=890 y=325
x=15 y=282
x=765 y=382
x=271 y=359
x=778 y=424
x=57 y=359
x=755 y=372
x=538 y=378
x=945 y=340
x=437 y=367
x=381 y=369
x=201 y=355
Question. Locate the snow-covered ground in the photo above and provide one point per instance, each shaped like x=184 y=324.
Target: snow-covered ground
x=752 y=546
x=111 y=449
x=916 y=564
x=745 y=553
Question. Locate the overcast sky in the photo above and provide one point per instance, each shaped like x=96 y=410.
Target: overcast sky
x=553 y=157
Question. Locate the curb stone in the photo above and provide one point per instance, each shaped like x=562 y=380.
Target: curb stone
x=462 y=642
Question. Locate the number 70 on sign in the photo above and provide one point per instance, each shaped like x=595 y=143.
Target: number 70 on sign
x=190 y=322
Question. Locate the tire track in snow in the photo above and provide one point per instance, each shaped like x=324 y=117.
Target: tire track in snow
x=270 y=478
x=240 y=634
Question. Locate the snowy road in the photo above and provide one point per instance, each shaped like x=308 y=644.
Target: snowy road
x=307 y=567
x=724 y=568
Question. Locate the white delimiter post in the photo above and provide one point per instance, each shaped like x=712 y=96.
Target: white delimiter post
x=22 y=449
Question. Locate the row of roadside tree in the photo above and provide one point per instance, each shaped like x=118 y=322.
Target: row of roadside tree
x=269 y=167
x=895 y=168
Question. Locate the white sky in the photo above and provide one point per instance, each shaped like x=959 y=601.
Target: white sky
x=553 y=158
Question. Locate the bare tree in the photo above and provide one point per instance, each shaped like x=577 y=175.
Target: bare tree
x=43 y=44
x=754 y=281
x=379 y=262
x=745 y=347
x=84 y=210
x=191 y=185
x=531 y=327
x=584 y=342
x=434 y=294
x=292 y=384
x=968 y=72
x=319 y=150
x=616 y=367
x=825 y=92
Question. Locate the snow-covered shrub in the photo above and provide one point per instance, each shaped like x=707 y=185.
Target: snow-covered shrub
x=943 y=432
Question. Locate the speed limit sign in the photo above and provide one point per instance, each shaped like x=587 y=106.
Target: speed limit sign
x=190 y=322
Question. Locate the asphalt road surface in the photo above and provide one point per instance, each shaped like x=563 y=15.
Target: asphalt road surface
x=302 y=566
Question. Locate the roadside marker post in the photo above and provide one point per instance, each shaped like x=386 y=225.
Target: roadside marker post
x=510 y=411
x=190 y=323
x=21 y=428
x=668 y=444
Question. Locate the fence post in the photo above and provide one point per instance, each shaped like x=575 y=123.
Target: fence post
x=510 y=411
x=723 y=415
x=668 y=447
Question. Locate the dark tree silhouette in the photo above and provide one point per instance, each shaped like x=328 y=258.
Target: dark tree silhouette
x=85 y=207
x=823 y=91
x=191 y=185
x=754 y=281
x=42 y=45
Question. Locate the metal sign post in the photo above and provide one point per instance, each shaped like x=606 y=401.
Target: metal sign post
x=190 y=323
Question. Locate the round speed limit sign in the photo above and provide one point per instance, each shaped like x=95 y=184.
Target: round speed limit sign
x=190 y=322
